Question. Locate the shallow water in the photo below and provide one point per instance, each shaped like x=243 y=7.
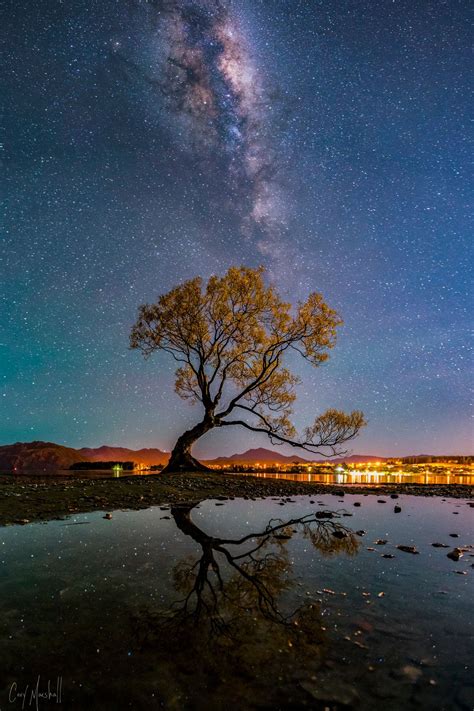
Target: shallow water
x=291 y=617
x=352 y=478
x=371 y=478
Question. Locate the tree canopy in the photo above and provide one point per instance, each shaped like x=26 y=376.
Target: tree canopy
x=229 y=338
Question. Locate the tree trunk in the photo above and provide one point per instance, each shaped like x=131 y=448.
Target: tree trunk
x=181 y=459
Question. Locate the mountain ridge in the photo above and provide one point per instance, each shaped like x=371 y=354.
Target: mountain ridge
x=145 y=455
x=49 y=456
x=261 y=454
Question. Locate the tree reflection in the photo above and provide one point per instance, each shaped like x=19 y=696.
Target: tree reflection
x=236 y=619
x=258 y=564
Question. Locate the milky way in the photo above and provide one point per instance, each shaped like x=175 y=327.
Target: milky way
x=201 y=64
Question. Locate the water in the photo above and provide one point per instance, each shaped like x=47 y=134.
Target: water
x=369 y=477
x=372 y=478
x=223 y=606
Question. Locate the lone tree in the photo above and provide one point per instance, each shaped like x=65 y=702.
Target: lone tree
x=230 y=338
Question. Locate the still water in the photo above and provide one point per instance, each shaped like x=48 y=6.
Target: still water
x=352 y=478
x=370 y=477
x=242 y=604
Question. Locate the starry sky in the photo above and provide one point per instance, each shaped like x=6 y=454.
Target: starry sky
x=148 y=142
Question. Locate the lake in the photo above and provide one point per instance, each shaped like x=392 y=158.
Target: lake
x=368 y=477
x=243 y=604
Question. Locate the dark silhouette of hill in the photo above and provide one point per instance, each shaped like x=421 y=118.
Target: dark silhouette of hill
x=140 y=456
x=49 y=456
x=269 y=456
x=39 y=456
x=260 y=454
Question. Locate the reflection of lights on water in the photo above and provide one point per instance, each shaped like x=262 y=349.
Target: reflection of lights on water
x=368 y=476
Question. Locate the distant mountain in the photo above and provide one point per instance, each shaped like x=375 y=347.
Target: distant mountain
x=140 y=456
x=48 y=456
x=355 y=458
x=259 y=455
x=39 y=456
x=269 y=456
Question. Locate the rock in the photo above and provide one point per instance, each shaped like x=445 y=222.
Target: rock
x=440 y=545
x=357 y=503
x=408 y=549
x=361 y=533
x=324 y=514
x=454 y=535
x=455 y=554
x=411 y=673
x=380 y=542
x=108 y=516
x=397 y=509
x=388 y=555
x=381 y=501
x=331 y=693
x=394 y=496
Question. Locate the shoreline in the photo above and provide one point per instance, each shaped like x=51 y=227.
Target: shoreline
x=28 y=499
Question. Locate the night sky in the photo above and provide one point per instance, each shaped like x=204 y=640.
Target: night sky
x=145 y=143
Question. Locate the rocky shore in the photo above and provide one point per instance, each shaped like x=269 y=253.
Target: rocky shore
x=24 y=499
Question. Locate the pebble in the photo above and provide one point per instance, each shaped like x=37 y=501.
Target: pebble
x=408 y=549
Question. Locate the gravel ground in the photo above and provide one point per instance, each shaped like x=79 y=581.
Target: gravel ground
x=24 y=498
